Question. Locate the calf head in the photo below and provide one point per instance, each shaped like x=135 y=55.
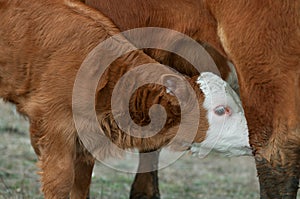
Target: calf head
x=222 y=124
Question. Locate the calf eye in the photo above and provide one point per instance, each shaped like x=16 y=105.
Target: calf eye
x=222 y=110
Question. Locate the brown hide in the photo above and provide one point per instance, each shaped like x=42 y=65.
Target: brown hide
x=156 y=13
x=262 y=38
x=266 y=51
x=162 y=14
x=42 y=45
x=193 y=15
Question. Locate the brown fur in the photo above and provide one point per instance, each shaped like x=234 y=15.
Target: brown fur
x=155 y=13
x=262 y=38
x=166 y=14
x=42 y=45
x=266 y=51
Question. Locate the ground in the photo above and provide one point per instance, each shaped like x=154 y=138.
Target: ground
x=214 y=177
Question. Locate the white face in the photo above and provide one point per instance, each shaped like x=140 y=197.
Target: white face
x=228 y=131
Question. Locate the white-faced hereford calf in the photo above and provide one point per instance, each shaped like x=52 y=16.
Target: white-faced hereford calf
x=42 y=46
x=166 y=14
x=262 y=39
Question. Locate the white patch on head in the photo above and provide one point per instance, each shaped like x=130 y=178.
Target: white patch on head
x=227 y=133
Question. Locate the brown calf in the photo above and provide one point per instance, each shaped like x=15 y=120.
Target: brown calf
x=42 y=46
x=262 y=39
x=163 y=14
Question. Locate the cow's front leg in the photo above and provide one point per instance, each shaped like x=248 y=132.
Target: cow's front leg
x=145 y=185
x=57 y=155
x=84 y=165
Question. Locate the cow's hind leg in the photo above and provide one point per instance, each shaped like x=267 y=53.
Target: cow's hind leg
x=84 y=165
x=145 y=185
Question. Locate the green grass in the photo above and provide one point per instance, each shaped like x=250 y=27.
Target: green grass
x=214 y=177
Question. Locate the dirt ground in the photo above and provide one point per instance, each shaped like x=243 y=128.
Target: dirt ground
x=214 y=177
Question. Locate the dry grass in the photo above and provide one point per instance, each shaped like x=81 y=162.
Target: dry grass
x=211 y=178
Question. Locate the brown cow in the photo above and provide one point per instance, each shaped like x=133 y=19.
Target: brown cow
x=42 y=46
x=263 y=41
x=183 y=23
x=134 y=19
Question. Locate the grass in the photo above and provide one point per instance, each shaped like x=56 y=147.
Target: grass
x=214 y=177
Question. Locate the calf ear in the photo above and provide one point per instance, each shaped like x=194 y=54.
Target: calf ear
x=175 y=85
x=170 y=82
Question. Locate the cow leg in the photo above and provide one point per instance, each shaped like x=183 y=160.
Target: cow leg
x=83 y=175
x=279 y=176
x=283 y=179
x=56 y=160
x=145 y=185
x=88 y=195
x=57 y=174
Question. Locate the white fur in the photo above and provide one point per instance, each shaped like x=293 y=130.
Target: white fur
x=227 y=134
